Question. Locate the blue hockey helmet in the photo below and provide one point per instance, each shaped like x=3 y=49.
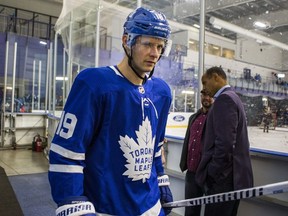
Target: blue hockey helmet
x=146 y=22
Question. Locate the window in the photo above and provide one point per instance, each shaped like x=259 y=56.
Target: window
x=228 y=53
x=193 y=45
x=213 y=49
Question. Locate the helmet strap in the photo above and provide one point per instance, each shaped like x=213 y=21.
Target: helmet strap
x=133 y=69
x=152 y=71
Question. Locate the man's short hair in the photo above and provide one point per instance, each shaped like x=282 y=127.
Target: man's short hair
x=204 y=92
x=217 y=70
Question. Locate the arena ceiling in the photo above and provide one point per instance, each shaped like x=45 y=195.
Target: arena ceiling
x=242 y=13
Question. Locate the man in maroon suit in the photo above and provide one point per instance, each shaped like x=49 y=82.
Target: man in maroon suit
x=225 y=164
x=191 y=152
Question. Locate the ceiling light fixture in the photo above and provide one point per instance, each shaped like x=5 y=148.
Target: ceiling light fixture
x=43 y=42
x=259 y=41
x=217 y=27
x=187 y=92
x=261 y=24
x=246 y=33
x=61 y=78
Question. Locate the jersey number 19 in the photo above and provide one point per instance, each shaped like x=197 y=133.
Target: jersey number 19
x=66 y=125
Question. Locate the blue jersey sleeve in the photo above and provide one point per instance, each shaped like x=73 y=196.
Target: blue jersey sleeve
x=75 y=131
x=162 y=127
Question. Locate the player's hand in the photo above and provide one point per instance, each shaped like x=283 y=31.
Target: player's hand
x=76 y=206
x=165 y=192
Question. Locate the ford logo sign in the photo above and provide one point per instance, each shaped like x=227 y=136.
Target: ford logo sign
x=178 y=118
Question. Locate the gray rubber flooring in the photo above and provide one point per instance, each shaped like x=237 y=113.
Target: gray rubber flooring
x=27 y=174
x=33 y=194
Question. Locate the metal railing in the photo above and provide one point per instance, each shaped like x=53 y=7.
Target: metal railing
x=25 y=27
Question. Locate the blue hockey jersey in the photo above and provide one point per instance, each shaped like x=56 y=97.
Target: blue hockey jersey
x=107 y=144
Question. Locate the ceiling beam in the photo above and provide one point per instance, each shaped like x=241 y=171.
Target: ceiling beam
x=246 y=33
x=277 y=18
x=48 y=7
x=187 y=9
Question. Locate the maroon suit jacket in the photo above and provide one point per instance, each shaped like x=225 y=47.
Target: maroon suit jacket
x=226 y=144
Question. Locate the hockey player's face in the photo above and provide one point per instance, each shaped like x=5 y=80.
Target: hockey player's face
x=146 y=53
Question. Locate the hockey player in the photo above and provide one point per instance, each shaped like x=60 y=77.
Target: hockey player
x=105 y=157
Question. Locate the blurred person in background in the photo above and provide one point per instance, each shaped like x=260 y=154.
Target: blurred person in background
x=191 y=152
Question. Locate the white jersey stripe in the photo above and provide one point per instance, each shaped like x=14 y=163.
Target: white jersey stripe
x=100 y=214
x=158 y=153
x=155 y=210
x=65 y=168
x=160 y=143
x=67 y=153
x=116 y=71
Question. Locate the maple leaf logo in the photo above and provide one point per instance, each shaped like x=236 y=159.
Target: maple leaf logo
x=139 y=153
